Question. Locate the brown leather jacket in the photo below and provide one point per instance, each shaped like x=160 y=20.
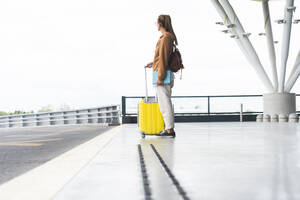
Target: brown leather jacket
x=164 y=48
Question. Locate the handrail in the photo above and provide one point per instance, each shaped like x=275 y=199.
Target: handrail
x=209 y=106
x=104 y=114
x=76 y=110
x=221 y=96
x=213 y=96
x=64 y=115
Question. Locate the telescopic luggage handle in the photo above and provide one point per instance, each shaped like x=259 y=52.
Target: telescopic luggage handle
x=146 y=84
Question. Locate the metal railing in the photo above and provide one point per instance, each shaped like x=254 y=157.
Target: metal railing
x=224 y=107
x=103 y=115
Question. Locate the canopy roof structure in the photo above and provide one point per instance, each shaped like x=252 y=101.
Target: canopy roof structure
x=237 y=31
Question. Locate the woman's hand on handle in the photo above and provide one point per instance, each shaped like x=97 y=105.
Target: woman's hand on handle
x=160 y=82
x=149 y=65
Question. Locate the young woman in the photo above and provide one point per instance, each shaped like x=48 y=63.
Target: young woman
x=164 y=48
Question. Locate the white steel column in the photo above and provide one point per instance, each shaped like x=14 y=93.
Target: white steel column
x=246 y=42
x=270 y=42
x=294 y=75
x=288 y=15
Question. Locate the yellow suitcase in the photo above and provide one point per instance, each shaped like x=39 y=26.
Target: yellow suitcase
x=150 y=119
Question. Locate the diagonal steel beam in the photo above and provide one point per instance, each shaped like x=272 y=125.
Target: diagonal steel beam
x=294 y=75
x=270 y=42
x=248 y=45
x=227 y=22
x=288 y=16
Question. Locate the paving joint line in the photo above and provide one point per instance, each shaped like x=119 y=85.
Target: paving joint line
x=145 y=176
x=179 y=188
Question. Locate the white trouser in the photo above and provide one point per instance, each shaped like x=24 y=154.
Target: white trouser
x=163 y=93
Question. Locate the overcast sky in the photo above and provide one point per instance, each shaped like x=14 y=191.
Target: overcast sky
x=88 y=53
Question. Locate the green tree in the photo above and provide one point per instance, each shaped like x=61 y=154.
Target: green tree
x=2 y=113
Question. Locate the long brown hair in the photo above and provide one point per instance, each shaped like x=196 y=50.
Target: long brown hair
x=165 y=22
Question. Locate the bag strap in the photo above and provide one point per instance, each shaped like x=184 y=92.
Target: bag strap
x=181 y=74
x=174 y=47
